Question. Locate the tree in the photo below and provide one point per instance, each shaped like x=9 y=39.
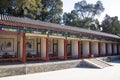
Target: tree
x=51 y=11
x=28 y=8
x=5 y=5
x=21 y=8
x=86 y=10
x=83 y=15
x=44 y=10
x=111 y=25
x=71 y=18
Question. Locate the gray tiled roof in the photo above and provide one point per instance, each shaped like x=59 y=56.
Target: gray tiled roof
x=52 y=25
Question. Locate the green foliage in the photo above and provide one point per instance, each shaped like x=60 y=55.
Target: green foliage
x=28 y=8
x=71 y=19
x=51 y=11
x=111 y=25
x=86 y=10
x=44 y=10
x=21 y=8
x=5 y=5
x=83 y=15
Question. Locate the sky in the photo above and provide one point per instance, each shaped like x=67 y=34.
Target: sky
x=112 y=7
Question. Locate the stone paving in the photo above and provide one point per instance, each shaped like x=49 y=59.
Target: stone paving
x=108 y=73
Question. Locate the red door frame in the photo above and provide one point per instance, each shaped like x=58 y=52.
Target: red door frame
x=90 y=49
x=99 y=49
x=106 y=47
x=23 y=47
x=112 y=48
x=47 y=49
x=117 y=49
x=79 y=50
x=65 y=49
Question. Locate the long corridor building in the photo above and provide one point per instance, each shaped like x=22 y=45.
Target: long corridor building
x=25 y=39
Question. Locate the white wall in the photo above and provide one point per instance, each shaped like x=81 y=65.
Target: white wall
x=94 y=48
x=115 y=48
x=43 y=48
x=85 y=48
x=7 y=38
x=103 y=49
x=109 y=48
x=74 y=48
x=60 y=47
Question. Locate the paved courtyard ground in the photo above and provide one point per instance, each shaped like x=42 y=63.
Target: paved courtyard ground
x=109 y=73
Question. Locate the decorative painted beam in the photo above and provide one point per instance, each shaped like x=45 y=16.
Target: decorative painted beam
x=50 y=28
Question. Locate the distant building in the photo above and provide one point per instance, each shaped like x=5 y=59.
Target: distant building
x=25 y=39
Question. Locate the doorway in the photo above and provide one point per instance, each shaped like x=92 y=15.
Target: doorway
x=38 y=47
x=69 y=48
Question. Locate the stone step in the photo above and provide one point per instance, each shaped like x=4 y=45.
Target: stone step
x=97 y=63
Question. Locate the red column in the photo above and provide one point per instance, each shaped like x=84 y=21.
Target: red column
x=65 y=49
x=79 y=49
x=112 y=49
x=47 y=50
x=106 y=47
x=90 y=49
x=117 y=49
x=23 y=47
x=99 y=49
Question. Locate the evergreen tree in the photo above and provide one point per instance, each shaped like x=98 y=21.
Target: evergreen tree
x=111 y=25
x=83 y=15
x=51 y=11
x=21 y=8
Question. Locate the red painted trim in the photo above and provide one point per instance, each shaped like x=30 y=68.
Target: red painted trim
x=65 y=49
x=90 y=49
x=112 y=49
x=56 y=57
x=36 y=58
x=23 y=47
x=99 y=49
x=106 y=47
x=69 y=56
x=47 y=50
x=10 y=59
x=79 y=49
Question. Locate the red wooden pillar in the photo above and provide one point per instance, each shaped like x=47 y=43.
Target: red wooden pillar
x=90 y=49
x=23 y=47
x=47 y=50
x=99 y=49
x=65 y=49
x=117 y=49
x=79 y=49
x=112 y=49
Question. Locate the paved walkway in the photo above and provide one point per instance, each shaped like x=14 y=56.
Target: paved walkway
x=108 y=73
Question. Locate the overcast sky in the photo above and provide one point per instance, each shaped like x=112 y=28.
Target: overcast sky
x=112 y=7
